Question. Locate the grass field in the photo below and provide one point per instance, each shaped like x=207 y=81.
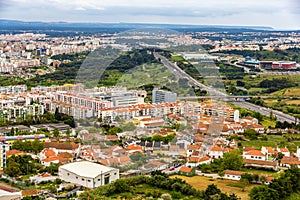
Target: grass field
x=228 y=186
x=287 y=92
x=273 y=141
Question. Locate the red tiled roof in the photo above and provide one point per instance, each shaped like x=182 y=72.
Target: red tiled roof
x=14 y=152
x=290 y=160
x=49 y=153
x=216 y=148
x=260 y=162
x=255 y=153
x=185 y=169
x=61 y=145
x=26 y=193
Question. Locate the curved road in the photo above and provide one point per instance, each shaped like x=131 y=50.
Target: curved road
x=178 y=72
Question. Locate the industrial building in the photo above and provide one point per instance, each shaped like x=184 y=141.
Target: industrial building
x=88 y=174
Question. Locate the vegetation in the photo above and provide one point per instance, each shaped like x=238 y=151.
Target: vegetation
x=280 y=188
x=155 y=187
x=231 y=160
x=28 y=146
x=288 y=54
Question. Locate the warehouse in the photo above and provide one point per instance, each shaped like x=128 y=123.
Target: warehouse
x=88 y=174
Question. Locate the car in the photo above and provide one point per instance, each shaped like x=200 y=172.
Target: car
x=172 y=168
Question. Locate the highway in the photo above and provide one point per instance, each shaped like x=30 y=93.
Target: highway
x=179 y=73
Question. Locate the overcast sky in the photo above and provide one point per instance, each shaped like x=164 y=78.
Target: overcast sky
x=280 y=14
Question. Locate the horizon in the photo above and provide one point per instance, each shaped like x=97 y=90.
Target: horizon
x=278 y=14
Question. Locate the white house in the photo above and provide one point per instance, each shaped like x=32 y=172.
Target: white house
x=88 y=174
x=284 y=151
x=216 y=152
x=255 y=155
x=195 y=161
x=233 y=175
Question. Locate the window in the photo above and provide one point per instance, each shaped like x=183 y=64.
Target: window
x=252 y=156
x=99 y=179
x=115 y=173
x=89 y=180
x=76 y=177
x=68 y=174
x=82 y=179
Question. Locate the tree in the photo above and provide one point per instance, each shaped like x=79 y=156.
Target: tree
x=212 y=190
x=130 y=126
x=12 y=169
x=68 y=132
x=245 y=180
x=232 y=160
x=56 y=132
x=280 y=156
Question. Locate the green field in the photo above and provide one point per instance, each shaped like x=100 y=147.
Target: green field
x=273 y=141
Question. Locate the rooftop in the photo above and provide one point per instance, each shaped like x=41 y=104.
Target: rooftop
x=86 y=169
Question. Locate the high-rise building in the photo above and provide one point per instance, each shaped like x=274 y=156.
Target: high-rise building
x=161 y=96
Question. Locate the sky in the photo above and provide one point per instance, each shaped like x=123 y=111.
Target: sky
x=279 y=14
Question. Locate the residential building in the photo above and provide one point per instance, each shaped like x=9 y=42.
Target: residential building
x=161 y=96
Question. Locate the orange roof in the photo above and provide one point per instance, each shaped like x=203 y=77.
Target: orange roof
x=246 y=149
x=14 y=152
x=193 y=147
x=49 y=153
x=283 y=150
x=134 y=147
x=26 y=193
x=197 y=159
x=185 y=169
x=290 y=160
x=255 y=153
x=54 y=158
x=216 y=148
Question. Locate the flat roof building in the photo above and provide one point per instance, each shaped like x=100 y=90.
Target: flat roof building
x=88 y=174
x=161 y=96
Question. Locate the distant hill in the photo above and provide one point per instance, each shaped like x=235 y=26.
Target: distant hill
x=15 y=25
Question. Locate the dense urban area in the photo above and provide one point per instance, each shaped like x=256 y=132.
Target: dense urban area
x=150 y=114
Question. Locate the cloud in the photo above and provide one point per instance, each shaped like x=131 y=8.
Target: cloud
x=260 y=12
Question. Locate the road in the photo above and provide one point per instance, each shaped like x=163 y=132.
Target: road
x=179 y=73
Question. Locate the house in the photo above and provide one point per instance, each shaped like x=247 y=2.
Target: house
x=255 y=155
x=42 y=177
x=195 y=161
x=117 y=161
x=191 y=148
x=268 y=151
x=134 y=148
x=59 y=147
x=233 y=175
x=187 y=171
x=287 y=161
x=284 y=151
x=246 y=149
x=216 y=152
x=155 y=165
x=265 y=164
x=88 y=174
x=54 y=159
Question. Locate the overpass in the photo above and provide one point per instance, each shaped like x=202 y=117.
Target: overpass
x=179 y=73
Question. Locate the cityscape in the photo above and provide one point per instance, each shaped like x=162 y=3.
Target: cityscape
x=154 y=108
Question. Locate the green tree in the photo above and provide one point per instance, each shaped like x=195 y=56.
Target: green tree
x=232 y=160
x=56 y=132
x=68 y=132
x=12 y=169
